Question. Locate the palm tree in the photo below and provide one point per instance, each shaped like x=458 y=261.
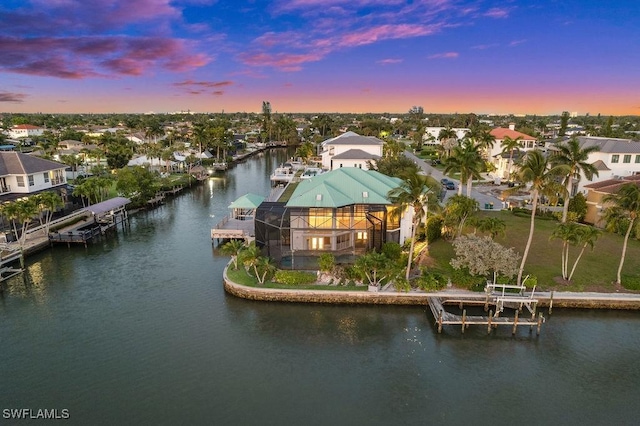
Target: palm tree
x=534 y=170
x=418 y=192
x=448 y=139
x=575 y=158
x=509 y=145
x=625 y=206
x=26 y=210
x=10 y=211
x=233 y=249
x=456 y=213
x=48 y=202
x=587 y=238
x=466 y=160
x=569 y=234
x=493 y=226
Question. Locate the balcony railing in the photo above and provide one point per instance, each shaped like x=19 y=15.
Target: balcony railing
x=4 y=189
x=57 y=181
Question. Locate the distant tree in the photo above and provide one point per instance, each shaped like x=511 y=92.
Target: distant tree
x=564 y=123
x=456 y=212
x=510 y=145
x=394 y=166
x=137 y=183
x=467 y=161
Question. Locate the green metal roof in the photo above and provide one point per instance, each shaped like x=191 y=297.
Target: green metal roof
x=342 y=187
x=247 y=201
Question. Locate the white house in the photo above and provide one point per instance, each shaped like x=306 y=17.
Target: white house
x=614 y=158
x=22 y=131
x=500 y=160
x=431 y=134
x=350 y=150
x=25 y=174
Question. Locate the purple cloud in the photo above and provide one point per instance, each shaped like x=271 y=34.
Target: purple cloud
x=12 y=97
x=497 y=12
x=389 y=61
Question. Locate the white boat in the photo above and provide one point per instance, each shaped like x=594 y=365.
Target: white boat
x=282 y=175
x=310 y=172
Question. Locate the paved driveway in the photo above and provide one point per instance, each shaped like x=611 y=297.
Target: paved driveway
x=483 y=199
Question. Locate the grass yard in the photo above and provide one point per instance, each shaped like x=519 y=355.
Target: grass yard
x=595 y=272
x=241 y=276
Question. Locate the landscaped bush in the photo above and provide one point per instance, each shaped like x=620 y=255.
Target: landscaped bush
x=463 y=278
x=294 y=277
x=401 y=284
x=326 y=262
x=391 y=250
x=433 y=230
x=431 y=281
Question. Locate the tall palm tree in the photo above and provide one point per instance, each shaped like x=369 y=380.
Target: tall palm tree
x=418 y=192
x=569 y=234
x=571 y=155
x=466 y=160
x=233 y=249
x=510 y=145
x=625 y=204
x=26 y=210
x=534 y=170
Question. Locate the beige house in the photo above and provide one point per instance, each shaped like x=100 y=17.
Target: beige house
x=597 y=191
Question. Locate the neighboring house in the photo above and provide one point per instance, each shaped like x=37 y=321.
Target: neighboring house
x=615 y=157
x=350 y=150
x=431 y=134
x=597 y=191
x=494 y=154
x=22 y=131
x=344 y=212
x=26 y=174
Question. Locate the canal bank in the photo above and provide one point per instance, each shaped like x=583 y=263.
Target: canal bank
x=589 y=300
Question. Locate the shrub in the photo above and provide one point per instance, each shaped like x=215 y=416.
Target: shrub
x=431 y=281
x=401 y=284
x=294 y=277
x=392 y=251
x=433 y=230
x=326 y=262
x=463 y=278
x=578 y=206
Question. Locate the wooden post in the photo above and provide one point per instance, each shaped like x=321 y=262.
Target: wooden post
x=489 y=324
x=515 y=323
x=551 y=303
x=440 y=321
x=539 y=323
x=486 y=303
x=464 y=319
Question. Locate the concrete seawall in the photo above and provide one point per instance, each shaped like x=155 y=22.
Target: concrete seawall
x=625 y=301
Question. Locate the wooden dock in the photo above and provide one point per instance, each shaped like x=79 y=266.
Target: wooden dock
x=229 y=228
x=496 y=297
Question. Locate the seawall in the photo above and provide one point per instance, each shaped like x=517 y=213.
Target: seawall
x=624 y=301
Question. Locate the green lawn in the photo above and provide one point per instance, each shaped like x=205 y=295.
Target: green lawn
x=595 y=272
x=240 y=276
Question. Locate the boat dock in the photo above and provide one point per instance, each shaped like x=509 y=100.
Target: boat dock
x=498 y=296
x=230 y=228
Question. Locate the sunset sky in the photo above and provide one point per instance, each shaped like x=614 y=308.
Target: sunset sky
x=522 y=57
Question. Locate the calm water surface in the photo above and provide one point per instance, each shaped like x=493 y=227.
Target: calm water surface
x=137 y=329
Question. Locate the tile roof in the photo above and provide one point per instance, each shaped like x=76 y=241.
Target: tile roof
x=500 y=133
x=610 y=145
x=27 y=127
x=343 y=187
x=17 y=163
x=352 y=138
x=600 y=165
x=611 y=186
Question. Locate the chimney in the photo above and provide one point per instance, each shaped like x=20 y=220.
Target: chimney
x=512 y=126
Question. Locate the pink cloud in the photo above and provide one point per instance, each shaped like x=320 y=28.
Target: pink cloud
x=208 y=84
x=485 y=46
x=446 y=55
x=108 y=56
x=384 y=32
x=517 y=42
x=282 y=61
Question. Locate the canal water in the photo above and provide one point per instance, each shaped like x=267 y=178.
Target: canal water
x=137 y=329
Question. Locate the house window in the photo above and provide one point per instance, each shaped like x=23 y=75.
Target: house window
x=615 y=158
x=31 y=180
x=361 y=236
x=46 y=177
x=637 y=158
x=626 y=158
x=320 y=218
x=319 y=243
x=20 y=180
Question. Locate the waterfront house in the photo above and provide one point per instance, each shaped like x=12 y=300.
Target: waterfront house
x=26 y=174
x=597 y=191
x=345 y=212
x=615 y=157
x=350 y=150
